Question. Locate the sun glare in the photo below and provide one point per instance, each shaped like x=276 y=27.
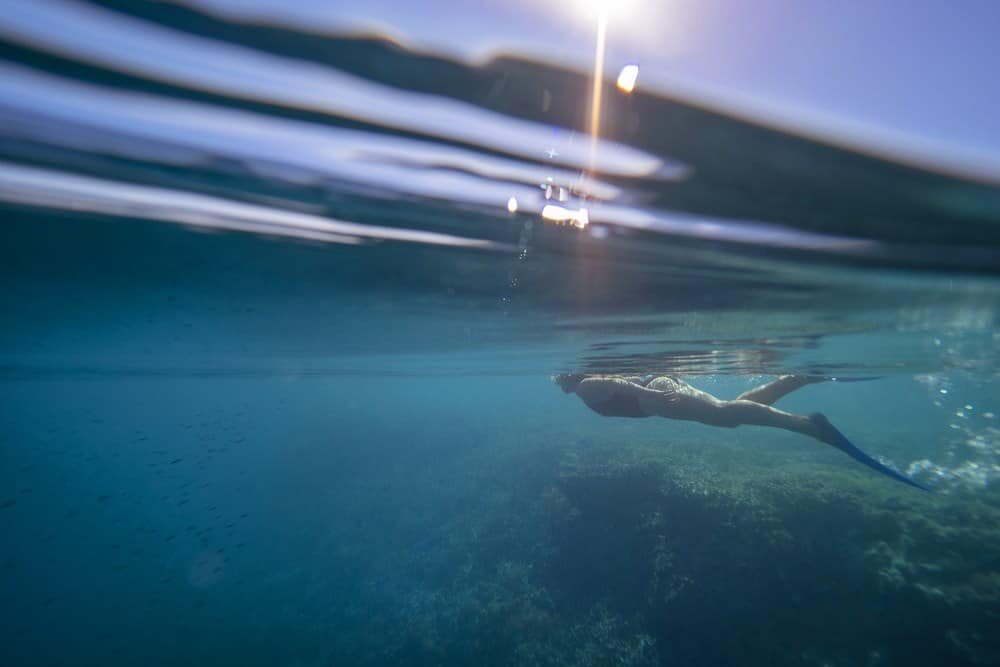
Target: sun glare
x=595 y=8
x=575 y=217
x=627 y=78
x=618 y=12
x=635 y=26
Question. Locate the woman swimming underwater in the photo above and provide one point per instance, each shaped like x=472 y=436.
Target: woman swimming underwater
x=669 y=397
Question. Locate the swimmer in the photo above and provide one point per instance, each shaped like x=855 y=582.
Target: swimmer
x=672 y=398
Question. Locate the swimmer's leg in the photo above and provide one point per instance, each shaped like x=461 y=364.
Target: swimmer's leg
x=816 y=426
x=709 y=410
x=768 y=394
x=691 y=404
x=742 y=412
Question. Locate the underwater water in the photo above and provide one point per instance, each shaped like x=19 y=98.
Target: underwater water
x=275 y=369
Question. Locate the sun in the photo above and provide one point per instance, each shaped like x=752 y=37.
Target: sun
x=634 y=26
x=593 y=9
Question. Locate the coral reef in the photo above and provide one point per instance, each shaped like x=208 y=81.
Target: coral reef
x=782 y=565
x=592 y=555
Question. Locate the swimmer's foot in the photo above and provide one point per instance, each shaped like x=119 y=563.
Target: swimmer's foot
x=828 y=433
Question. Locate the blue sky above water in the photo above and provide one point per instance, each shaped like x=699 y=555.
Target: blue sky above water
x=913 y=77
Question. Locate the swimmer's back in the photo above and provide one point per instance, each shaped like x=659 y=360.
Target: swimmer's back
x=665 y=383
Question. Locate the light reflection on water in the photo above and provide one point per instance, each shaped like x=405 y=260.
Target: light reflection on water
x=702 y=244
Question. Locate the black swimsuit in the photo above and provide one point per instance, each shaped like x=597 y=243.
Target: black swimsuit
x=619 y=405
x=623 y=404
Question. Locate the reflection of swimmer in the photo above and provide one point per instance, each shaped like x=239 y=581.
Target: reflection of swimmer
x=649 y=396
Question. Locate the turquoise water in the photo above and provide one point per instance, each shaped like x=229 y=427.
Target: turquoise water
x=275 y=369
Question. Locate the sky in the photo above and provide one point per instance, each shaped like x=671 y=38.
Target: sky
x=914 y=78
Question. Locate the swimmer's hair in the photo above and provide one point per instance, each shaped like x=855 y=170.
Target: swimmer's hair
x=568 y=381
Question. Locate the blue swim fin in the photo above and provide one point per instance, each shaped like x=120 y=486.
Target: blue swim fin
x=843 y=444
